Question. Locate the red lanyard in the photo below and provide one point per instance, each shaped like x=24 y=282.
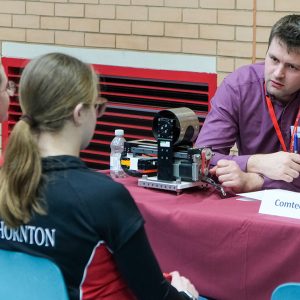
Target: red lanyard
x=276 y=126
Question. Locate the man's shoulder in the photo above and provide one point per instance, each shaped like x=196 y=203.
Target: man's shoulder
x=246 y=74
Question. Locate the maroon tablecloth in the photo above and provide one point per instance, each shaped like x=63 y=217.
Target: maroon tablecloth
x=227 y=249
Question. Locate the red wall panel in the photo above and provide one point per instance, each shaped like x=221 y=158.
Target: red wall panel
x=134 y=96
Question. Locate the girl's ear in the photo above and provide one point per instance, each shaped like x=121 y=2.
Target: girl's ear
x=78 y=114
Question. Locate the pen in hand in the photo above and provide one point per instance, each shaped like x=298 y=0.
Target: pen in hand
x=295 y=143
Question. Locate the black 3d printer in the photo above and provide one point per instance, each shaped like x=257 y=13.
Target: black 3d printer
x=171 y=162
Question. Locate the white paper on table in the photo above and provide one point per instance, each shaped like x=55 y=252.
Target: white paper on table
x=280 y=203
x=252 y=196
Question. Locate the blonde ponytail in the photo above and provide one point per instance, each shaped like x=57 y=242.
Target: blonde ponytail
x=20 y=177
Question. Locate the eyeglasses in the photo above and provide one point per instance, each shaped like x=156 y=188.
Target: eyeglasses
x=100 y=107
x=10 y=88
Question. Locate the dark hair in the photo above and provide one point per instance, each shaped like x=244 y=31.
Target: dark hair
x=287 y=30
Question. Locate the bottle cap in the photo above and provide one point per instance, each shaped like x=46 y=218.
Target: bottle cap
x=119 y=132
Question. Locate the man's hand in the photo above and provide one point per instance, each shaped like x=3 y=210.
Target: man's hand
x=233 y=178
x=277 y=166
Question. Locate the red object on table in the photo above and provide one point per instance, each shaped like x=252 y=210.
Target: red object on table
x=224 y=246
x=168 y=276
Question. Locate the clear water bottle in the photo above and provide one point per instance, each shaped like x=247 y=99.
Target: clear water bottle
x=117 y=147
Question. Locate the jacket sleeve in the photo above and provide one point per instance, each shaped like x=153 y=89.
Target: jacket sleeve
x=221 y=126
x=140 y=269
x=280 y=184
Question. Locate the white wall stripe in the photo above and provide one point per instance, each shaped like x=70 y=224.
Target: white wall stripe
x=113 y=57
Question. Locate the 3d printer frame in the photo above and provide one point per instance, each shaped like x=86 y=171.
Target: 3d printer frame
x=171 y=162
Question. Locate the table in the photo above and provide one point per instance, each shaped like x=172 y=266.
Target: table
x=227 y=249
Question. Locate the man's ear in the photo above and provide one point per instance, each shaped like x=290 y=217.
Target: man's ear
x=78 y=114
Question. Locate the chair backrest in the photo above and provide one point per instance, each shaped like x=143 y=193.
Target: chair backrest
x=287 y=291
x=24 y=277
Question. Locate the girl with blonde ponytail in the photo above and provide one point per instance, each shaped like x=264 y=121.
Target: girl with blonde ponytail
x=50 y=87
x=53 y=206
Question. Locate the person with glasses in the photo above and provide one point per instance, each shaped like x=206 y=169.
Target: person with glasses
x=7 y=89
x=53 y=206
x=258 y=108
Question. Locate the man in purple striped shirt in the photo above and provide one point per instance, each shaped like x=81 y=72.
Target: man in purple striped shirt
x=240 y=114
